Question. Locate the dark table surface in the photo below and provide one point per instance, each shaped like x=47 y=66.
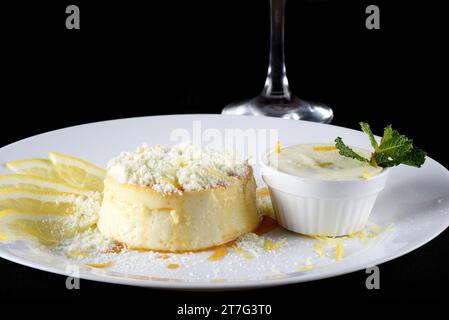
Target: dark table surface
x=130 y=59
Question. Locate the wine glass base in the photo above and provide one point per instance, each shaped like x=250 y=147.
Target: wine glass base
x=294 y=108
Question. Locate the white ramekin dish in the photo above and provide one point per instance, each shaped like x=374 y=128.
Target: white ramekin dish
x=312 y=206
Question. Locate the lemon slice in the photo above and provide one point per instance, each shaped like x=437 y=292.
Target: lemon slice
x=50 y=202
x=25 y=181
x=78 y=172
x=35 y=167
x=46 y=228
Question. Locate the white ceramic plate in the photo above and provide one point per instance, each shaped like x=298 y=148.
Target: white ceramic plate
x=414 y=204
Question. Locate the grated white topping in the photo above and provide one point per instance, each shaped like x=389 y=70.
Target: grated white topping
x=84 y=213
x=183 y=167
x=83 y=218
x=90 y=241
x=251 y=243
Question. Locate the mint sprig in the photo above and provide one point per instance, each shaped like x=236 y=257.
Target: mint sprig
x=394 y=149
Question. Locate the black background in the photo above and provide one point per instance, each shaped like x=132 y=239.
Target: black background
x=135 y=58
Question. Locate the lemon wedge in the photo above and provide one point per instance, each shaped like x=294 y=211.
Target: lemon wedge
x=46 y=228
x=25 y=181
x=35 y=167
x=50 y=202
x=78 y=172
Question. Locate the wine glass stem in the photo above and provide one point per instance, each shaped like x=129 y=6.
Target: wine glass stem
x=276 y=84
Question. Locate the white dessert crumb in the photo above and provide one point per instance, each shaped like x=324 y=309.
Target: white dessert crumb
x=90 y=242
x=255 y=245
x=85 y=211
x=183 y=167
x=251 y=243
x=81 y=222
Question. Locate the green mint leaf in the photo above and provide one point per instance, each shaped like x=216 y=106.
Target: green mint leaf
x=388 y=133
x=394 y=149
x=366 y=128
x=344 y=150
x=415 y=157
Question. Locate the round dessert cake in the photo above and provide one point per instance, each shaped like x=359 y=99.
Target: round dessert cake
x=182 y=198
